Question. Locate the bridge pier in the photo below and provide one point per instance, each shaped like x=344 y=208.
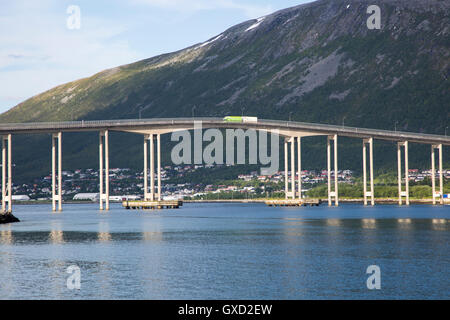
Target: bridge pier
x=433 y=175
x=292 y=141
x=401 y=193
x=152 y=167
x=371 y=193
x=334 y=193
x=292 y=191
x=6 y=174
x=158 y=141
x=153 y=194
x=286 y=169
x=145 y=166
x=104 y=174
x=57 y=187
x=299 y=159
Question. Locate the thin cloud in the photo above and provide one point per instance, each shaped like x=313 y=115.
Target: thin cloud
x=190 y=6
x=39 y=52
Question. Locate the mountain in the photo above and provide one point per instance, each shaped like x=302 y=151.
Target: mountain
x=316 y=62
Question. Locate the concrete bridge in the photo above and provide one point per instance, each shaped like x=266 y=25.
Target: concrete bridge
x=152 y=129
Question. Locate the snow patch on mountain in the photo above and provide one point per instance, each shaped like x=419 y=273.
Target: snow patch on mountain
x=255 y=25
x=209 y=42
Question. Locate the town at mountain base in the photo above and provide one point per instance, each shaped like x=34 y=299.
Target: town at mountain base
x=316 y=62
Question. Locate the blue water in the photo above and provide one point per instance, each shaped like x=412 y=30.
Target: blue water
x=227 y=251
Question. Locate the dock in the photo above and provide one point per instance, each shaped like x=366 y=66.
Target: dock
x=293 y=202
x=142 y=205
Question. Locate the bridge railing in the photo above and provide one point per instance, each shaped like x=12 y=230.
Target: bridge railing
x=345 y=129
x=99 y=124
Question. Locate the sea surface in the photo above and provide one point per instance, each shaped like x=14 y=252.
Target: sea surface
x=226 y=251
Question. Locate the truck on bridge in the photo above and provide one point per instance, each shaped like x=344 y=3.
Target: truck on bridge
x=240 y=119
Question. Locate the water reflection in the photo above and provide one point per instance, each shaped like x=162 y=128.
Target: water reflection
x=292 y=221
x=104 y=235
x=334 y=222
x=6 y=236
x=152 y=231
x=292 y=227
x=56 y=235
x=7 y=263
x=439 y=224
x=369 y=223
x=404 y=223
x=152 y=236
x=245 y=251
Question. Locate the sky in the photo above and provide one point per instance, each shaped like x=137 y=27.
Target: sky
x=45 y=43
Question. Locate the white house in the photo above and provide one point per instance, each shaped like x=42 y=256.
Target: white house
x=87 y=196
x=122 y=198
x=20 y=198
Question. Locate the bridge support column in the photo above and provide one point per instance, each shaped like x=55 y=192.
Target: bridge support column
x=286 y=177
x=295 y=187
x=292 y=141
x=334 y=193
x=441 y=175
x=57 y=187
x=299 y=159
x=6 y=174
x=145 y=167
x=158 y=141
x=433 y=175
x=104 y=174
x=149 y=195
x=371 y=192
x=152 y=168
x=399 y=170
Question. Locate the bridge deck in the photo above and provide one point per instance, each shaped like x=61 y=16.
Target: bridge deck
x=188 y=123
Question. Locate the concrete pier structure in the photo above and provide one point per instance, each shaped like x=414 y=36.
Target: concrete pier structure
x=145 y=173
x=158 y=142
x=293 y=202
x=286 y=169
x=104 y=169
x=146 y=205
x=332 y=194
x=57 y=171
x=6 y=174
x=366 y=193
x=152 y=168
x=435 y=195
x=292 y=142
x=299 y=159
x=401 y=193
x=154 y=194
x=293 y=187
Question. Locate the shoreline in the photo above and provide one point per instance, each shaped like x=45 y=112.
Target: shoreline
x=324 y=201
x=260 y=200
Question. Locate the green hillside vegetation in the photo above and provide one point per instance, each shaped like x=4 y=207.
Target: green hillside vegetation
x=385 y=186
x=314 y=63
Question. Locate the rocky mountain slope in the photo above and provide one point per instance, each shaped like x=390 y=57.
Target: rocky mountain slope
x=316 y=62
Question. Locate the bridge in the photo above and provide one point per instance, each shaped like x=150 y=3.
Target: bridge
x=152 y=129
